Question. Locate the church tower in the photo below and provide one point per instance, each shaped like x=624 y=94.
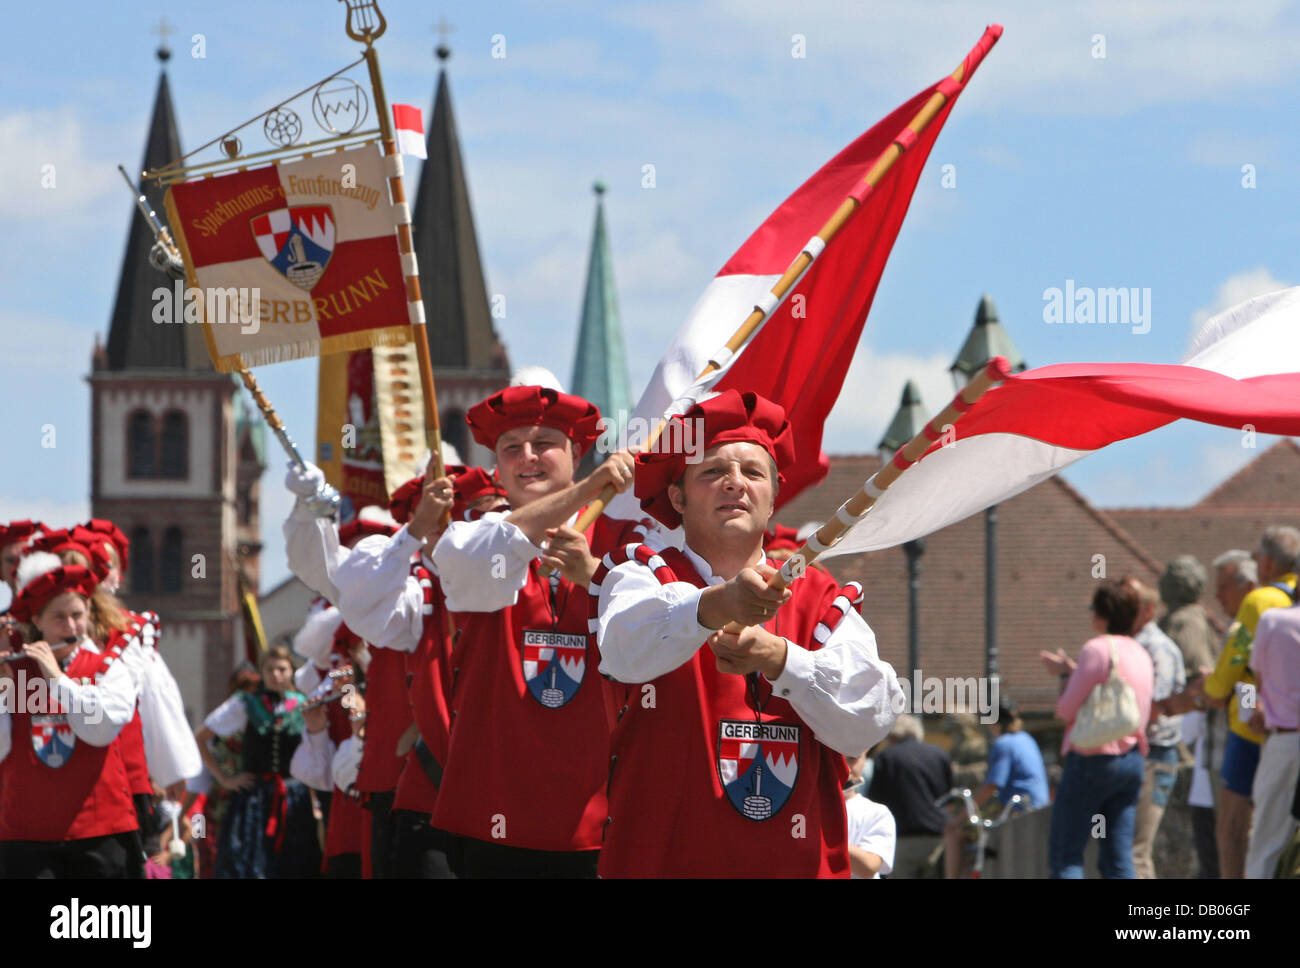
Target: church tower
x=175 y=457
x=469 y=361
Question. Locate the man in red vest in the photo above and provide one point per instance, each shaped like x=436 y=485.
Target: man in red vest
x=523 y=784
x=727 y=759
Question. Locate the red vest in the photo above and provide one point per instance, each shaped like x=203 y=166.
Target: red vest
x=529 y=753
x=712 y=774
x=336 y=714
x=343 y=832
x=429 y=670
x=388 y=713
x=85 y=795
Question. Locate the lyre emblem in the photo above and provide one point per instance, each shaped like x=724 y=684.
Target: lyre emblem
x=369 y=23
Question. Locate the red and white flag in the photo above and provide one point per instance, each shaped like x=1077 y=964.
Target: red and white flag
x=802 y=353
x=408 y=126
x=1243 y=371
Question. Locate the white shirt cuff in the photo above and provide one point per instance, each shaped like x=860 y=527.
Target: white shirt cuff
x=796 y=675
x=518 y=543
x=684 y=613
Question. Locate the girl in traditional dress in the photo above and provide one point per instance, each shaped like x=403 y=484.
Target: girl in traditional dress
x=269 y=829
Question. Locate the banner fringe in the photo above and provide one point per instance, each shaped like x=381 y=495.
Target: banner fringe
x=308 y=348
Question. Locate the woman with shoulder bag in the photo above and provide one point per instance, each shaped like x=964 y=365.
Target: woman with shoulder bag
x=1106 y=700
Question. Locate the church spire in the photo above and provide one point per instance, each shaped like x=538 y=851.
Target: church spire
x=461 y=335
x=600 y=365
x=135 y=341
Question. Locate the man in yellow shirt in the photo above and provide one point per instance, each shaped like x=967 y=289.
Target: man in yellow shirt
x=1275 y=561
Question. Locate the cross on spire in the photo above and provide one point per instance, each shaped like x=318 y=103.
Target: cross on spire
x=162 y=30
x=443 y=28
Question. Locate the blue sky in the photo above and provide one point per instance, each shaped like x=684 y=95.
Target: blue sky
x=1122 y=170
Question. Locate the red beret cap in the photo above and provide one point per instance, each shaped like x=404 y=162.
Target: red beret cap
x=729 y=417
x=534 y=406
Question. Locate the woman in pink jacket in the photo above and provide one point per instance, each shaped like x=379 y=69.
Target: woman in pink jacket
x=1098 y=793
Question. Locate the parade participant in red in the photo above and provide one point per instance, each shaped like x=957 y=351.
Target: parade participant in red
x=523 y=782
x=422 y=850
x=14 y=538
x=727 y=758
x=169 y=744
x=107 y=613
x=269 y=829
x=119 y=549
x=315 y=546
x=65 y=806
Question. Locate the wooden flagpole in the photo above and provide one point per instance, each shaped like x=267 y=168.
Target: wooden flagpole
x=802 y=262
x=816 y=245
x=365 y=24
x=855 y=508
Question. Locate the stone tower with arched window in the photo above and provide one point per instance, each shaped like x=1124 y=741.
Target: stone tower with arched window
x=175 y=459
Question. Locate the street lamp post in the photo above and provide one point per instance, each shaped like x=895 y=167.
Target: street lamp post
x=908 y=421
x=986 y=340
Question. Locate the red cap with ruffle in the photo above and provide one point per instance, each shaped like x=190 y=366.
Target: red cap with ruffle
x=16 y=531
x=114 y=534
x=403 y=501
x=730 y=417
x=38 y=592
x=468 y=484
x=781 y=538
x=534 y=406
x=363 y=526
x=88 y=544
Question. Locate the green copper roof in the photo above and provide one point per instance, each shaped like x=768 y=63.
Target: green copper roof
x=908 y=421
x=248 y=417
x=600 y=364
x=987 y=339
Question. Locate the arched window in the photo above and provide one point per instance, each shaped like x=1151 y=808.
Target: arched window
x=174 y=455
x=455 y=432
x=141 y=560
x=170 y=572
x=141 y=445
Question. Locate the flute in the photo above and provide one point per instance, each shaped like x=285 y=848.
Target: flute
x=20 y=654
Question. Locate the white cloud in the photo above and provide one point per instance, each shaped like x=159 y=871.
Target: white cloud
x=1227 y=149
x=1155 y=54
x=1237 y=289
x=872 y=391
x=46 y=167
x=55 y=513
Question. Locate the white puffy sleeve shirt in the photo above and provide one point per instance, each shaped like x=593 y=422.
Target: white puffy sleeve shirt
x=844 y=691
x=312 y=760
x=378 y=597
x=347 y=762
x=483 y=564
x=311 y=544
x=169 y=746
